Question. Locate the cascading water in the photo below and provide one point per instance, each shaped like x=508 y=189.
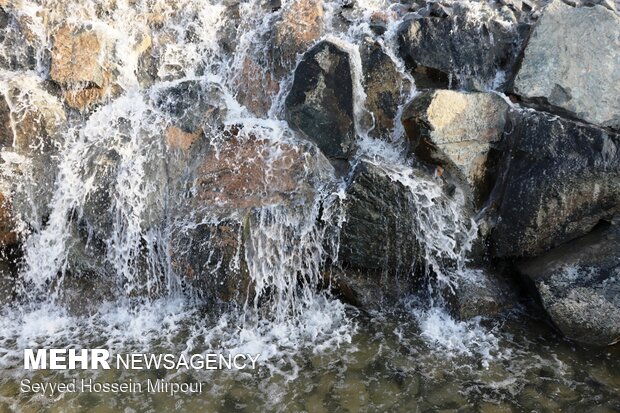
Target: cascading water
x=149 y=238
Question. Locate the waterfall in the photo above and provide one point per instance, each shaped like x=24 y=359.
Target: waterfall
x=129 y=203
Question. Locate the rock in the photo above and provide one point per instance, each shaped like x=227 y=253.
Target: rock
x=210 y=257
x=8 y=234
x=473 y=47
x=192 y=105
x=320 y=103
x=31 y=125
x=560 y=179
x=571 y=63
x=376 y=241
x=300 y=25
x=78 y=64
x=256 y=86
x=579 y=286
x=76 y=56
x=251 y=172
x=385 y=87
x=18 y=50
x=480 y=294
x=241 y=175
x=460 y=132
x=179 y=139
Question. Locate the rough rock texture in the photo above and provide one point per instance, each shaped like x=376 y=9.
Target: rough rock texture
x=384 y=85
x=248 y=173
x=300 y=25
x=193 y=105
x=377 y=248
x=460 y=132
x=17 y=49
x=481 y=295
x=572 y=61
x=579 y=286
x=469 y=45
x=320 y=103
x=256 y=86
x=78 y=64
x=31 y=122
x=560 y=179
x=234 y=179
x=210 y=257
x=8 y=235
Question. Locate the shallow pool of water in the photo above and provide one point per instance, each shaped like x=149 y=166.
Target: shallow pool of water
x=332 y=359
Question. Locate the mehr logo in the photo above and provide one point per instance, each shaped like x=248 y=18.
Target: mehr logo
x=63 y=359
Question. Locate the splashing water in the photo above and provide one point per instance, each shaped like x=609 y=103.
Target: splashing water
x=125 y=201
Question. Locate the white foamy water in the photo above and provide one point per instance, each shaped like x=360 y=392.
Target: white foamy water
x=115 y=184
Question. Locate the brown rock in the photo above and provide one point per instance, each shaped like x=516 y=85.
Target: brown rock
x=299 y=26
x=29 y=115
x=256 y=87
x=76 y=56
x=178 y=139
x=247 y=173
x=8 y=236
x=78 y=64
x=384 y=87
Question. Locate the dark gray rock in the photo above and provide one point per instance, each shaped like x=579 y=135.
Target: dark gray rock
x=385 y=87
x=192 y=104
x=480 y=294
x=578 y=285
x=474 y=47
x=377 y=234
x=378 y=251
x=18 y=50
x=560 y=179
x=210 y=258
x=320 y=103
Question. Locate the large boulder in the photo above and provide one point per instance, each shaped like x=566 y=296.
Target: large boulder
x=231 y=183
x=560 y=179
x=79 y=56
x=396 y=224
x=469 y=44
x=571 y=62
x=320 y=103
x=579 y=286
x=385 y=87
x=460 y=132
x=377 y=232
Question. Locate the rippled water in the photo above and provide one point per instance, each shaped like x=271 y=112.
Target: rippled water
x=356 y=363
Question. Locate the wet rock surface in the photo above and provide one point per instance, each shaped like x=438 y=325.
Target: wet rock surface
x=561 y=179
x=78 y=61
x=386 y=87
x=320 y=103
x=31 y=124
x=459 y=131
x=578 y=285
x=566 y=44
x=465 y=45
